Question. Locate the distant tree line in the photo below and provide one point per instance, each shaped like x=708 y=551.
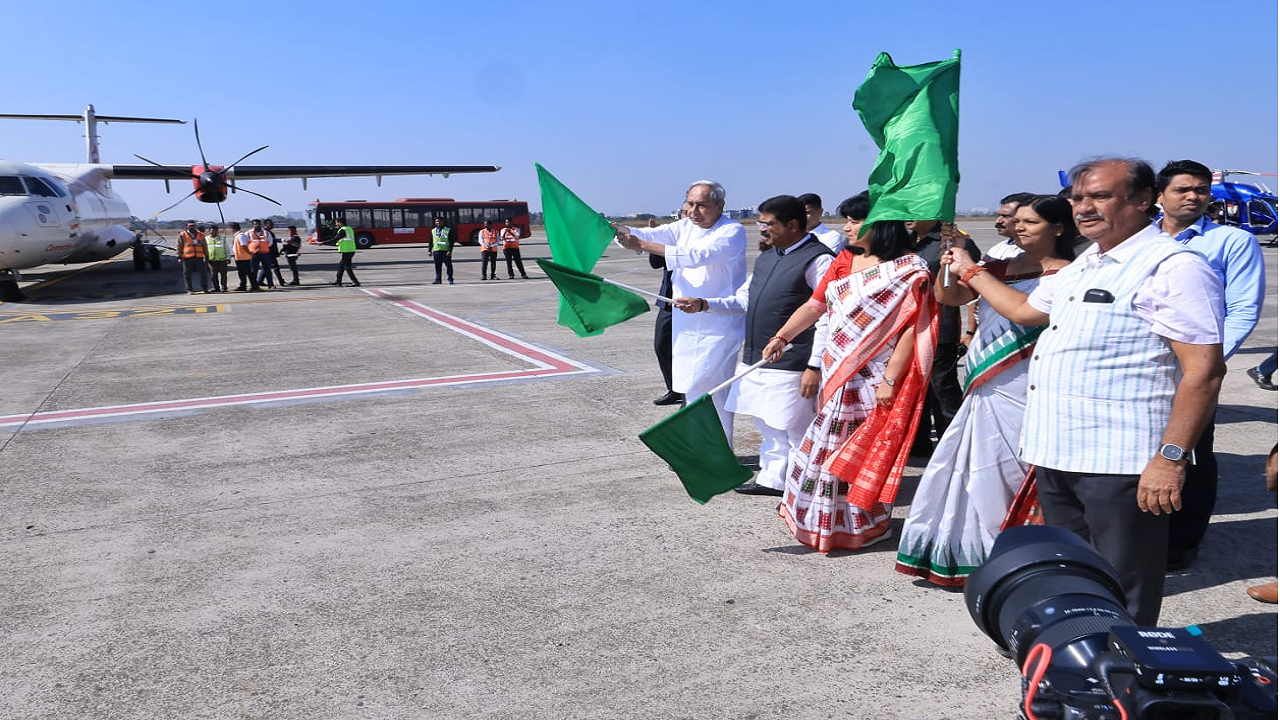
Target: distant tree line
x=281 y=221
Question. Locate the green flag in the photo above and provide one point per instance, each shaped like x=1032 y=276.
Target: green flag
x=913 y=114
x=592 y=303
x=692 y=442
x=576 y=234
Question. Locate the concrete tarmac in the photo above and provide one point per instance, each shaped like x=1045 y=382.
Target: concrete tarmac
x=415 y=501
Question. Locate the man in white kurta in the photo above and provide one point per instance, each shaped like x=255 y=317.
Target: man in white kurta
x=780 y=397
x=706 y=253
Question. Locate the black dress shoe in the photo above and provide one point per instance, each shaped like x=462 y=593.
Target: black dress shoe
x=671 y=398
x=1262 y=381
x=752 y=488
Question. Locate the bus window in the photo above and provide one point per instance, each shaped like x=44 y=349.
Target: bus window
x=380 y=218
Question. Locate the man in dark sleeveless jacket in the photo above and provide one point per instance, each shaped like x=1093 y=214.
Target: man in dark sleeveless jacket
x=779 y=396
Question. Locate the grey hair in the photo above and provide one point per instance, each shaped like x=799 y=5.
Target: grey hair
x=717 y=190
x=1140 y=175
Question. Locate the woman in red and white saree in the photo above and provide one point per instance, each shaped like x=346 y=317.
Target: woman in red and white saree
x=843 y=479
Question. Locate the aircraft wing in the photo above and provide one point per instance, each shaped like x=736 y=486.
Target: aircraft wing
x=277 y=172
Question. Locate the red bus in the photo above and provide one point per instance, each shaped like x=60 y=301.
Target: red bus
x=409 y=220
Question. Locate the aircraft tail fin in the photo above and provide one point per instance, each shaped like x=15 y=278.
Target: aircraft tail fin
x=90 y=120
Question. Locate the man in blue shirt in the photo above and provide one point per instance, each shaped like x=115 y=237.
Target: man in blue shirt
x=1184 y=187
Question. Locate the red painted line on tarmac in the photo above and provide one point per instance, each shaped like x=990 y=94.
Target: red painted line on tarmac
x=545 y=364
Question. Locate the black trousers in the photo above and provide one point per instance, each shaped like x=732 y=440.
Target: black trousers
x=345 y=264
x=244 y=268
x=1199 y=494
x=1103 y=509
x=275 y=267
x=293 y=266
x=488 y=264
x=218 y=271
x=262 y=269
x=443 y=259
x=514 y=254
x=662 y=343
x=943 y=396
x=198 y=266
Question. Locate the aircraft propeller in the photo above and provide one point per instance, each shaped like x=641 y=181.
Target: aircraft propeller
x=210 y=181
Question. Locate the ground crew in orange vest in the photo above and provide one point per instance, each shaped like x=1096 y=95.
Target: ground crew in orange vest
x=194 y=253
x=244 y=259
x=260 y=246
x=510 y=236
x=489 y=244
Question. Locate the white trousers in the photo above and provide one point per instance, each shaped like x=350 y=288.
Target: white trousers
x=776 y=447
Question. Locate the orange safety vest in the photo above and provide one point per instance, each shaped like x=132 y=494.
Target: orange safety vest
x=510 y=238
x=488 y=239
x=259 y=242
x=242 y=252
x=191 y=247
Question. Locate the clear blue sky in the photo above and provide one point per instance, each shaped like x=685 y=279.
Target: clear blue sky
x=629 y=102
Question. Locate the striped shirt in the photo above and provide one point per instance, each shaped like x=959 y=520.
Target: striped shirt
x=1102 y=379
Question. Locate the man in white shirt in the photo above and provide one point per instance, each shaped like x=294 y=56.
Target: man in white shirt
x=706 y=253
x=813 y=223
x=1008 y=248
x=1124 y=379
x=780 y=395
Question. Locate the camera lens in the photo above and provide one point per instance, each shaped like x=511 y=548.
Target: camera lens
x=1046 y=585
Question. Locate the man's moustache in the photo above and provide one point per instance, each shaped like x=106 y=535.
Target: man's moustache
x=1080 y=217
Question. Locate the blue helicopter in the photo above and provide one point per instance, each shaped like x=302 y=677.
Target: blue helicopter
x=1244 y=205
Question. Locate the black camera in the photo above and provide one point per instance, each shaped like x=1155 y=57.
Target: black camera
x=1050 y=601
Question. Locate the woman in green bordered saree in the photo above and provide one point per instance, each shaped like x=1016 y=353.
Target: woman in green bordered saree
x=975 y=471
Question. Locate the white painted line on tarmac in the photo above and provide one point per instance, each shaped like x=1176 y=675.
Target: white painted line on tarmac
x=545 y=363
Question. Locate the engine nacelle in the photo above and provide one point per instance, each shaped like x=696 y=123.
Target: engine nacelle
x=210 y=183
x=102 y=243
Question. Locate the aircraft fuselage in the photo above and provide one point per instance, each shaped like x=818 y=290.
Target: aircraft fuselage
x=59 y=214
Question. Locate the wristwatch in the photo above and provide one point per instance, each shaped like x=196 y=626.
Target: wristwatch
x=1169 y=451
x=890 y=381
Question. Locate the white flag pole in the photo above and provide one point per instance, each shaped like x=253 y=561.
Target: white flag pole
x=744 y=373
x=638 y=291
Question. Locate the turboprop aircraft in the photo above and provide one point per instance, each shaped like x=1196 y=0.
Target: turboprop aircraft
x=69 y=213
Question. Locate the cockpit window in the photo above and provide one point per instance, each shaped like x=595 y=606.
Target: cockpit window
x=11 y=185
x=39 y=187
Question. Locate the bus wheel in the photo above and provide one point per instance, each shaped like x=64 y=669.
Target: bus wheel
x=364 y=241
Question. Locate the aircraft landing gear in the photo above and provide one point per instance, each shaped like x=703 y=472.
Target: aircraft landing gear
x=144 y=255
x=9 y=291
